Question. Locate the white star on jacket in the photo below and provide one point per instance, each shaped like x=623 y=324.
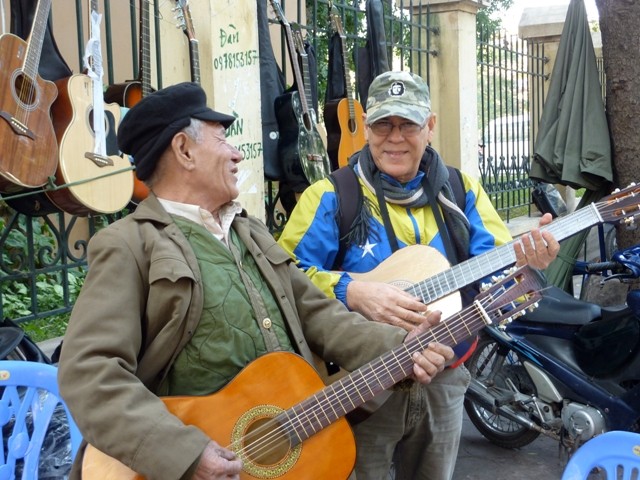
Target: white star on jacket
x=367 y=249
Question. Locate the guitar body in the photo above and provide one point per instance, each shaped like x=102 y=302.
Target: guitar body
x=233 y=413
x=345 y=134
x=29 y=153
x=302 y=153
x=72 y=119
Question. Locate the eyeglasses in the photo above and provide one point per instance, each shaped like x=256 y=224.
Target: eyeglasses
x=407 y=129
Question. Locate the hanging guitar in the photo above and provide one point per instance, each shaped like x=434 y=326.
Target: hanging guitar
x=92 y=177
x=299 y=432
x=29 y=153
x=303 y=155
x=127 y=94
x=184 y=17
x=343 y=116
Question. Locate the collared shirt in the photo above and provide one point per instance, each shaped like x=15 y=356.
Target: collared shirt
x=219 y=228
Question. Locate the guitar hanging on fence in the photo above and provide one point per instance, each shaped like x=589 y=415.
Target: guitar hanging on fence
x=29 y=153
x=343 y=116
x=186 y=23
x=127 y=94
x=299 y=432
x=92 y=177
x=303 y=155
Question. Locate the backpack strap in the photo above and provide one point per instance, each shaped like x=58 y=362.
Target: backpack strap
x=457 y=185
x=349 y=198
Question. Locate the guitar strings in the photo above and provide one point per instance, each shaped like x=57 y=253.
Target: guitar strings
x=270 y=442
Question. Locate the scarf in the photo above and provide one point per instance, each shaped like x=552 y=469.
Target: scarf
x=435 y=179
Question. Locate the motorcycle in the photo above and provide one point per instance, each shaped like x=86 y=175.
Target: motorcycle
x=569 y=369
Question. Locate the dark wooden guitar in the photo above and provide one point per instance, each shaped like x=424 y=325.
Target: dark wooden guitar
x=127 y=94
x=92 y=176
x=29 y=153
x=303 y=154
x=343 y=117
x=184 y=17
x=298 y=432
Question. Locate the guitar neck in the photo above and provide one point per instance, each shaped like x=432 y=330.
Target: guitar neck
x=345 y=395
x=347 y=79
x=482 y=265
x=34 y=47
x=145 y=48
x=306 y=80
x=195 y=60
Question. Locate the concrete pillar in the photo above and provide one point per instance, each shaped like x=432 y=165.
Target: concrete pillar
x=453 y=79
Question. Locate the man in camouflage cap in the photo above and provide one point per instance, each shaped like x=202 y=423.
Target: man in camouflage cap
x=417 y=429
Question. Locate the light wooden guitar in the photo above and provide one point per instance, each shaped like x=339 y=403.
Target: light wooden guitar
x=343 y=117
x=127 y=94
x=280 y=420
x=29 y=153
x=413 y=268
x=302 y=152
x=92 y=176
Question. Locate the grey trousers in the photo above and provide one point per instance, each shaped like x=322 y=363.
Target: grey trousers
x=417 y=431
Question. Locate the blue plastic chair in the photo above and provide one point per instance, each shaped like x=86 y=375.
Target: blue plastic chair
x=32 y=416
x=616 y=452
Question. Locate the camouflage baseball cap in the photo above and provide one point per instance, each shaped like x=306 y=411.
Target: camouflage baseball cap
x=401 y=94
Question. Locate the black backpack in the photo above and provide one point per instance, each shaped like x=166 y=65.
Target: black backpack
x=349 y=194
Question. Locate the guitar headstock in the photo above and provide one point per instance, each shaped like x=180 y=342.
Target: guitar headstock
x=277 y=9
x=511 y=295
x=336 y=22
x=184 y=19
x=622 y=206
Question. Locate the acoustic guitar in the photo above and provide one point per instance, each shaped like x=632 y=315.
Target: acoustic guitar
x=127 y=94
x=92 y=176
x=343 y=117
x=29 y=153
x=304 y=157
x=298 y=432
x=412 y=268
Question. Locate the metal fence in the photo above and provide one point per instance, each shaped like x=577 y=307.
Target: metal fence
x=511 y=76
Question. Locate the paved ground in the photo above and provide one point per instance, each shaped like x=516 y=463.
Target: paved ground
x=479 y=459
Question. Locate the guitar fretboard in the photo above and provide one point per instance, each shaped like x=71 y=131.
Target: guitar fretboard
x=480 y=266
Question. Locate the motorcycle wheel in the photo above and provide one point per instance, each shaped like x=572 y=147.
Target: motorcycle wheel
x=496 y=428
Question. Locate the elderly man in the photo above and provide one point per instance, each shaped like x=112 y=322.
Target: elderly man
x=185 y=292
x=407 y=199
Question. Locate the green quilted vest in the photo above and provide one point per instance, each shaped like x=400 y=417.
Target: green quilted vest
x=228 y=336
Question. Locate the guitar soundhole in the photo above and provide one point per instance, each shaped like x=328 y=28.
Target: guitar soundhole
x=25 y=91
x=266 y=443
x=263 y=443
x=107 y=126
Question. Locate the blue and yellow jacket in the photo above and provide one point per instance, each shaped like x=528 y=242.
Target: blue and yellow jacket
x=311 y=234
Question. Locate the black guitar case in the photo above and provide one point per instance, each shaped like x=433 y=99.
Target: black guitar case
x=52 y=67
x=272 y=85
x=373 y=57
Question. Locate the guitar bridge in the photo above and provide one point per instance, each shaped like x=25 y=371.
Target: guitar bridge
x=315 y=157
x=99 y=160
x=17 y=126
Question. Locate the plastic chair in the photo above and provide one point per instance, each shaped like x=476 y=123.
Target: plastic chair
x=615 y=452
x=32 y=418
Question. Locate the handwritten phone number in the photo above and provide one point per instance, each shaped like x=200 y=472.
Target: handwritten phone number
x=250 y=150
x=227 y=61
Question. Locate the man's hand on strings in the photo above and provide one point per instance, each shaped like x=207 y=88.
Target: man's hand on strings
x=537 y=248
x=217 y=463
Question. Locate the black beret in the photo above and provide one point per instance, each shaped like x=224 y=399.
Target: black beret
x=148 y=128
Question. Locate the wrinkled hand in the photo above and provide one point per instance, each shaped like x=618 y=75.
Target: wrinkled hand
x=385 y=303
x=217 y=462
x=432 y=360
x=537 y=248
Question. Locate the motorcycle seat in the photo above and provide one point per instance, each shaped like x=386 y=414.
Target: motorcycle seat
x=559 y=307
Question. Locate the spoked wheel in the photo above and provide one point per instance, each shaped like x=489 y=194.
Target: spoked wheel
x=500 y=430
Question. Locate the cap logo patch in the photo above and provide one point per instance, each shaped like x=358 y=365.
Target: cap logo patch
x=396 y=89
